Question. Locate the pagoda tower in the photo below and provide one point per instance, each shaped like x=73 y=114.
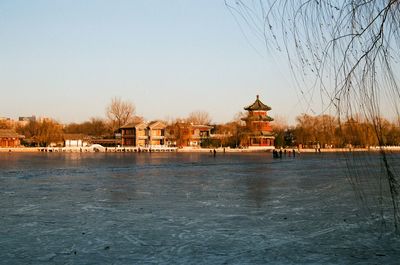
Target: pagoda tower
x=258 y=130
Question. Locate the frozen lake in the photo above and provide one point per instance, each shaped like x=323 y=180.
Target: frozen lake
x=181 y=208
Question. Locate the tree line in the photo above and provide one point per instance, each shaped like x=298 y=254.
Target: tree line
x=118 y=112
x=324 y=131
x=329 y=131
x=43 y=132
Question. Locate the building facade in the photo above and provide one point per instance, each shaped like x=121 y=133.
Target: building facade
x=75 y=140
x=9 y=138
x=156 y=132
x=200 y=134
x=143 y=134
x=258 y=132
x=183 y=134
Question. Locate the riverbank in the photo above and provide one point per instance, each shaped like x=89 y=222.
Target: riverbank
x=339 y=150
x=187 y=149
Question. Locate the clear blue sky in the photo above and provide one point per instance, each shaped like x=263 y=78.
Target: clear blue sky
x=67 y=59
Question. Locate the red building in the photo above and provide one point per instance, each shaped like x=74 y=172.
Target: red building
x=184 y=134
x=258 y=130
x=9 y=138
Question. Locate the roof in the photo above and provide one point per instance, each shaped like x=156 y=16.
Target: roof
x=202 y=127
x=157 y=125
x=7 y=133
x=257 y=105
x=134 y=125
x=266 y=133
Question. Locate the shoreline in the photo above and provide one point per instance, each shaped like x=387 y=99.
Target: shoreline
x=187 y=150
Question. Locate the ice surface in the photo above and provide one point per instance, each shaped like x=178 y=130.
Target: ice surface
x=190 y=209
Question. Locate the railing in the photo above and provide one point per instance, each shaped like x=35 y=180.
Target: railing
x=157 y=137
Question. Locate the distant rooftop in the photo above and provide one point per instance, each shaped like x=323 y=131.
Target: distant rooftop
x=133 y=125
x=31 y=118
x=8 y=133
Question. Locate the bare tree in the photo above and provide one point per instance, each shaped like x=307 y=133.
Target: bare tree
x=42 y=132
x=93 y=127
x=279 y=127
x=238 y=118
x=5 y=124
x=350 y=47
x=199 y=118
x=119 y=112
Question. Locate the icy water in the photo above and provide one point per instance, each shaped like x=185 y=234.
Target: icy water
x=175 y=208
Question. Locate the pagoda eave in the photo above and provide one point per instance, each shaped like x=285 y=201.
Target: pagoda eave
x=258 y=118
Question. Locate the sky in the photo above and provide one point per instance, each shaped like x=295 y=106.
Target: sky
x=68 y=59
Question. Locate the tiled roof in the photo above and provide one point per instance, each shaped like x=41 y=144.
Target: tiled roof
x=257 y=105
x=157 y=124
x=133 y=125
x=7 y=133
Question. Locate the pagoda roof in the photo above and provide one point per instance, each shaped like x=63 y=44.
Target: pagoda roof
x=257 y=105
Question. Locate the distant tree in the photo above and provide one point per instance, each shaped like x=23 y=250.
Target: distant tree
x=72 y=128
x=289 y=137
x=327 y=130
x=199 y=118
x=119 y=112
x=304 y=130
x=94 y=127
x=5 y=124
x=29 y=130
x=97 y=127
x=49 y=132
x=225 y=135
x=393 y=134
x=390 y=132
x=239 y=128
x=238 y=118
x=279 y=127
x=42 y=133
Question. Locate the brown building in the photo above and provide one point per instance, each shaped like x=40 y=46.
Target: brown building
x=142 y=134
x=258 y=130
x=184 y=134
x=200 y=134
x=9 y=138
x=156 y=132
